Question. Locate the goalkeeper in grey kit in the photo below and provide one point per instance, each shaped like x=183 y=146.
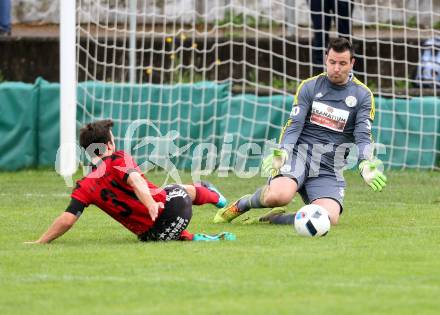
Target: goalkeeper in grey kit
x=332 y=113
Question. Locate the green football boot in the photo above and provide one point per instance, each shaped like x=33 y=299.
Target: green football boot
x=229 y=213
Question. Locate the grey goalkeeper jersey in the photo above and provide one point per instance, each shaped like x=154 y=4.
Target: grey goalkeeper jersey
x=330 y=118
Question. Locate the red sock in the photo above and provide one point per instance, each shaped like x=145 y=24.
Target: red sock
x=204 y=195
x=186 y=236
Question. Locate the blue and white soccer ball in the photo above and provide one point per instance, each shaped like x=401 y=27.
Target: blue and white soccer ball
x=312 y=220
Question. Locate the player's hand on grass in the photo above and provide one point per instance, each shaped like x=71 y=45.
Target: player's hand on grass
x=153 y=209
x=274 y=161
x=371 y=172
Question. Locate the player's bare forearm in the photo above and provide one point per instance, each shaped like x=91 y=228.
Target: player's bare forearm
x=141 y=189
x=143 y=193
x=60 y=226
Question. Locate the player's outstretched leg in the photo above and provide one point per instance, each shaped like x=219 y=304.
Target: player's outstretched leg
x=279 y=193
x=221 y=199
x=229 y=213
x=205 y=192
x=279 y=216
x=242 y=205
x=268 y=217
x=282 y=218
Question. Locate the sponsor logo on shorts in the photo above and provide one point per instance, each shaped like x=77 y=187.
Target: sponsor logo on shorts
x=286 y=168
x=173 y=231
x=176 y=192
x=341 y=192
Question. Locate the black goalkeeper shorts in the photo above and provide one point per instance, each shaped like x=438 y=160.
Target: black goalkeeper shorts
x=174 y=218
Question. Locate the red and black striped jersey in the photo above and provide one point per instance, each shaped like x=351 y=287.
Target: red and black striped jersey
x=106 y=187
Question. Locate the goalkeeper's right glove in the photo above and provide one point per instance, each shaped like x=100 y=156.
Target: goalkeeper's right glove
x=274 y=161
x=372 y=175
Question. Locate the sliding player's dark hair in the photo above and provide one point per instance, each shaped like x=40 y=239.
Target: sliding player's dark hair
x=97 y=133
x=340 y=45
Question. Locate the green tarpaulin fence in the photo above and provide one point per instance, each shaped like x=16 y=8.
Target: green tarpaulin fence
x=201 y=113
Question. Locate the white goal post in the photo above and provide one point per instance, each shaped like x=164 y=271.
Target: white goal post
x=68 y=79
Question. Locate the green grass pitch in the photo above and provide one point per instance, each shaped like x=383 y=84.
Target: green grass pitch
x=383 y=257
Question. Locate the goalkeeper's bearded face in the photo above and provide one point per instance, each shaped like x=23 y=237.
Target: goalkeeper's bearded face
x=339 y=65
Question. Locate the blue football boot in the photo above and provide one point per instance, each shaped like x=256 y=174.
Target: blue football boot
x=223 y=236
x=221 y=199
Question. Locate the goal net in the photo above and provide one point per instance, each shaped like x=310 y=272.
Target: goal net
x=207 y=83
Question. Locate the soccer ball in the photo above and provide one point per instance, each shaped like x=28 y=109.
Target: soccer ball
x=312 y=220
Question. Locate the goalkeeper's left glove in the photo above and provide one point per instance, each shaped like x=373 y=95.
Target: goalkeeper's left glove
x=274 y=161
x=372 y=175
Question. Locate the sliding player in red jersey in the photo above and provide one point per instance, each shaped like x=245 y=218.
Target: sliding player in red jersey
x=118 y=187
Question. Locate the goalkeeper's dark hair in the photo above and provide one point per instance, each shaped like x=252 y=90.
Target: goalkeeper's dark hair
x=97 y=133
x=340 y=45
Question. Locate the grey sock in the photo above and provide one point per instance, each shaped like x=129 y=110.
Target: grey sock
x=253 y=201
x=283 y=218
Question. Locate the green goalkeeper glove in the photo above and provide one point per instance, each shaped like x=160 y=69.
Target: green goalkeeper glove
x=372 y=175
x=274 y=161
